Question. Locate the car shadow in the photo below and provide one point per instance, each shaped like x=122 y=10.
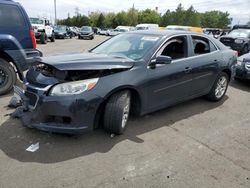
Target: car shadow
x=243 y=85
x=14 y=138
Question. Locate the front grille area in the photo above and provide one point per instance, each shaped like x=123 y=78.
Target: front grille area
x=33 y=98
x=247 y=65
x=227 y=41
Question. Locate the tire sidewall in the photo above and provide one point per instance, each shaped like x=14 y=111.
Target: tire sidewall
x=9 y=70
x=222 y=74
x=114 y=111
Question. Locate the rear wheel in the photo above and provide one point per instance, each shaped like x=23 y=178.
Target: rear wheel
x=43 y=38
x=219 y=88
x=7 y=77
x=117 y=112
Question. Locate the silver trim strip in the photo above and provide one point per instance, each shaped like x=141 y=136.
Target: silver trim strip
x=183 y=82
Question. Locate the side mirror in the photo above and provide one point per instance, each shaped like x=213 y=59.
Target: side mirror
x=161 y=60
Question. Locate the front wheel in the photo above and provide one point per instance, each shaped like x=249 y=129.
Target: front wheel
x=117 y=112
x=52 y=38
x=219 y=88
x=43 y=38
x=7 y=77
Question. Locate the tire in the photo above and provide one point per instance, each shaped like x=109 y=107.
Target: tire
x=79 y=37
x=116 y=112
x=43 y=38
x=52 y=38
x=91 y=38
x=8 y=77
x=218 y=92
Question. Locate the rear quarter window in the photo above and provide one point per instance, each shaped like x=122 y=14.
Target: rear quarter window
x=11 y=17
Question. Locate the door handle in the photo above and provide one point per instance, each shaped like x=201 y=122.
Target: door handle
x=187 y=69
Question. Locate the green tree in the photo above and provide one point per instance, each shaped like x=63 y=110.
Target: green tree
x=148 y=16
x=191 y=18
x=120 y=19
x=100 y=21
x=132 y=16
x=216 y=19
x=109 y=20
x=93 y=18
x=179 y=15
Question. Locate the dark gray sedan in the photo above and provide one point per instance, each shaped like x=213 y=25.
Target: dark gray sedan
x=136 y=72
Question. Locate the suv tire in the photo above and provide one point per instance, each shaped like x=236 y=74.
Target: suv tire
x=8 y=76
x=117 y=112
x=43 y=38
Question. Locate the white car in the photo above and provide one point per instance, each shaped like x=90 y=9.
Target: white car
x=147 y=27
x=43 y=30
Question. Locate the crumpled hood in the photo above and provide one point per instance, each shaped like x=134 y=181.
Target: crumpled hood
x=87 y=61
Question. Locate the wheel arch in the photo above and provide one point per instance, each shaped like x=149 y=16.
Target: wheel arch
x=136 y=103
x=228 y=72
x=10 y=60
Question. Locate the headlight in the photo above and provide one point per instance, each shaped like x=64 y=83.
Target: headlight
x=73 y=88
x=239 y=41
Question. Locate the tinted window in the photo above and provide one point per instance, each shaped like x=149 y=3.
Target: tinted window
x=201 y=45
x=176 y=48
x=10 y=16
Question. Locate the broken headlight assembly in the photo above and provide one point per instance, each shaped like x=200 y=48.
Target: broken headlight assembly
x=73 y=88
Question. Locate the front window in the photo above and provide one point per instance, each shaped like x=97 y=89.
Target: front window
x=88 y=29
x=60 y=28
x=239 y=33
x=36 y=21
x=133 y=46
x=176 y=48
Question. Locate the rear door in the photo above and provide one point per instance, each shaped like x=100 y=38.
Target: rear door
x=13 y=22
x=205 y=63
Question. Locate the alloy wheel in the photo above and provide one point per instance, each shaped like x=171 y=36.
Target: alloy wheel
x=221 y=87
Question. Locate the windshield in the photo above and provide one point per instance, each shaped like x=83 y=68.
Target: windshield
x=86 y=29
x=36 y=21
x=239 y=33
x=141 y=28
x=60 y=28
x=133 y=46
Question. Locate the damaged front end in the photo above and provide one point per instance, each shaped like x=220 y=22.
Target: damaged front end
x=55 y=99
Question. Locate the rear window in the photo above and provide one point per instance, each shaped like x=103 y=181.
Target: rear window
x=11 y=16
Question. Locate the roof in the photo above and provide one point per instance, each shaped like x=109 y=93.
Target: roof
x=161 y=32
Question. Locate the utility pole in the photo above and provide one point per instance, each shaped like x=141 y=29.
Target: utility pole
x=55 y=10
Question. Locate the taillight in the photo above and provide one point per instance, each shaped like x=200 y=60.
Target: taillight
x=33 y=38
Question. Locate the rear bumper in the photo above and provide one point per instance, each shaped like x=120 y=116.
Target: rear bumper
x=71 y=114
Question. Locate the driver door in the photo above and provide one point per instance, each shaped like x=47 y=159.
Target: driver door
x=170 y=83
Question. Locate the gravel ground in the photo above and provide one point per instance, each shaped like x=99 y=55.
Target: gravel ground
x=193 y=144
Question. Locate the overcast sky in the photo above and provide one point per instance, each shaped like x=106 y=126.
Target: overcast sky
x=239 y=9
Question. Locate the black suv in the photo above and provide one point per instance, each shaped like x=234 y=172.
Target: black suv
x=238 y=39
x=17 y=43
